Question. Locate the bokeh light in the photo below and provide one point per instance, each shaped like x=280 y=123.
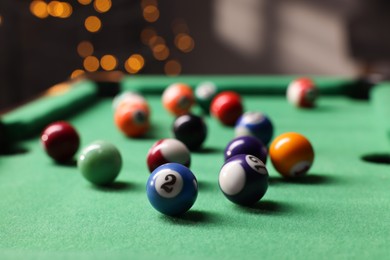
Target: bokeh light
x=108 y=62
x=151 y=13
x=160 y=52
x=102 y=6
x=146 y=34
x=76 y=73
x=93 y=24
x=85 y=48
x=67 y=10
x=91 y=63
x=172 y=68
x=58 y=89
x=55 y=8
x=85 y=2
x=156 y=40
x=134 y=63
x=184 y=42
x=39 y=9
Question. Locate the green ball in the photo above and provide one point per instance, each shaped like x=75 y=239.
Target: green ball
x=204 y=94
x=100 y=162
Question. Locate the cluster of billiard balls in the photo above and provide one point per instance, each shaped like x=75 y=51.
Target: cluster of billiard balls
x=172 y=187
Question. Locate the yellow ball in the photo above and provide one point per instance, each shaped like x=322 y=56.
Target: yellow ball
x=291 y=154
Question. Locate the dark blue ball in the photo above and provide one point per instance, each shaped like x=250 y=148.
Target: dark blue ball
x=246 y=145
x=243 y=179
x=172 y=189
x=255 y=124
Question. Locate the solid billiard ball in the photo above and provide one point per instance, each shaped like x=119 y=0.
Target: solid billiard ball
x=204 y=94
x=243 y=179
x=100 y=162
x=191 y=130
x=61 y=141
x=255 y=124
x=178 y=99
x=128 y=97
x=166 y=151
x=302 y=93
x=172 y=189
x=291 y=154
x=132 y=120
x=246 y=145
x=227 y=107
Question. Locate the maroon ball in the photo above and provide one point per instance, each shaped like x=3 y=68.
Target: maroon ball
x=60 y=141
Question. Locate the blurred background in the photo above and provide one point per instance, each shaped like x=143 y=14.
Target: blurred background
x=44 y=42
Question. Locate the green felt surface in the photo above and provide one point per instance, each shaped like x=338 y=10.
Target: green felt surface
x=341 y=210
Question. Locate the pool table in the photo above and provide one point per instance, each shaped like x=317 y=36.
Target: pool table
x=341 y=209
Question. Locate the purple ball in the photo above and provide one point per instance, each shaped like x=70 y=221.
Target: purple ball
x=246 y=145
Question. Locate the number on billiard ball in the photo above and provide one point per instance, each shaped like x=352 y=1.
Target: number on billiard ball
x=291 y=154
x=243 y=179
x=166 y=151
x=61 y=141
x=172 y=189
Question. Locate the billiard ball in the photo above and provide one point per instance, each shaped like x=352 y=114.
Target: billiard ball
x=302 y=93
x=227 y=107
x=246 y=145
x=132 y=120
x=100 y=162
x=291 y=154
x=255 y=124
x=204 y=94
x=166 y=151
x=178 y=99
x=172 y=189
x=128 y=97
x=191 y=130
x=243 y=179
x=61 y=141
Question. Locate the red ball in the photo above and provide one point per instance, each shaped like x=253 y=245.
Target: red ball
x=227 y=107
x=168 y=151
x=61 y=141
x=302 y=93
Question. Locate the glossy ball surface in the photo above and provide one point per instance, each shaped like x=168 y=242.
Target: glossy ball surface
x=246 y=145
x=204 y=94
x=128 y=97
x=243 y=179
x=60 y=141
x=132 y=120
x=168 y=151
x=302 y=93
x=178 y=99
x=172 y=189
x=191 y=130
x=255 y=124
x=291 y=154
x=227 y=107
x=100 y=163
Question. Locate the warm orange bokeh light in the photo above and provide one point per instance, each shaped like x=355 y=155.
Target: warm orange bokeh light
x=39 y=9
x=76 y=73
x=160 y=52
x=93 y=24
x=108 y=62
x=134 y=63
x=156 y=40
x=172 y=68
x=102 y=6
x=55 y=8
x=85 y=2
x=151 y=13
x=184 y=42
x=147 y=34
x=67 y=10
x=91 y=63
x=85 y=48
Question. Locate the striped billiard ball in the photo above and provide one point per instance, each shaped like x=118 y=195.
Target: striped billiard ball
x=172 y=189
x=178 y=98
x=246 y=145
x=243 y=179
x=255 y=124
x=168 y=151
x=302 y=93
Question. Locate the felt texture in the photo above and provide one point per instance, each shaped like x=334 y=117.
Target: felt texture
x=340 y=210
